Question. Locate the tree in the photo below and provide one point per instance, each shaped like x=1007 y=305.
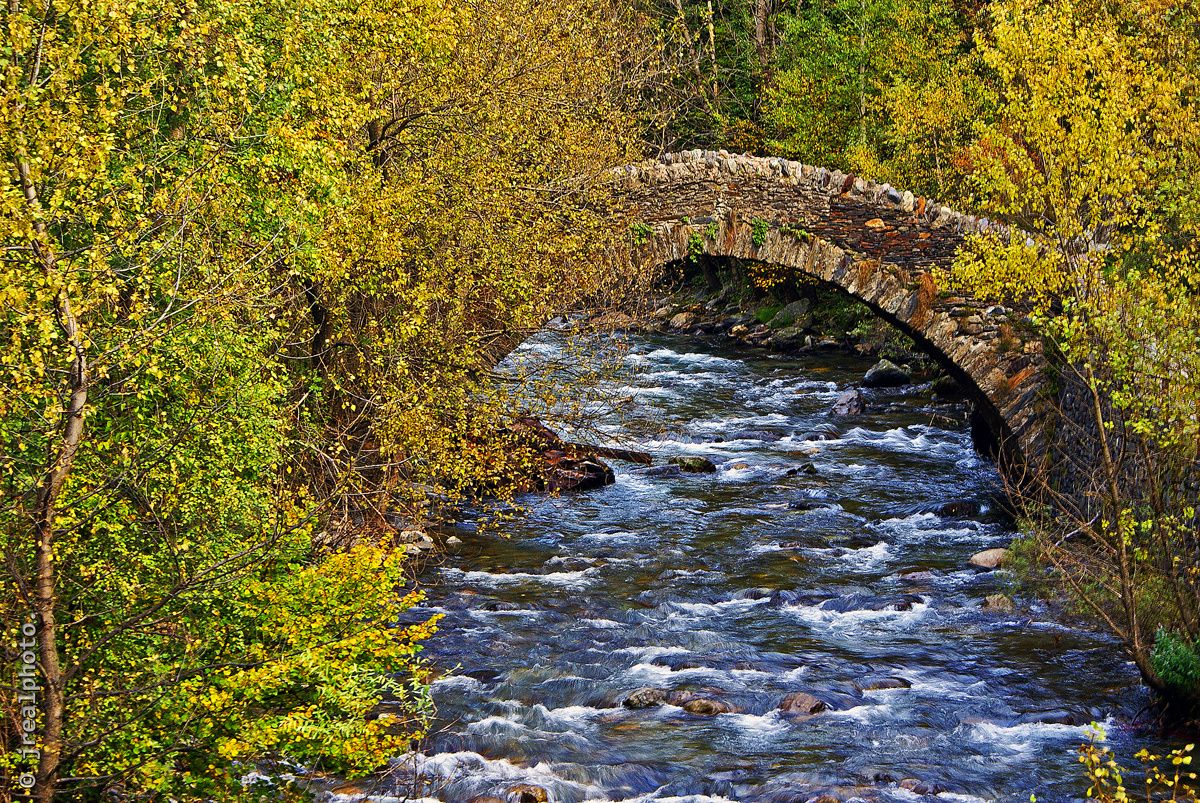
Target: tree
x=258 y=260
x=1090 y=153
x=877 y=87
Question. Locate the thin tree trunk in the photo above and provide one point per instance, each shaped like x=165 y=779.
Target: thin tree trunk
x=862 y=75
x=693 y=53
x=712 y=50
x=62 y=458
x=1137 y=646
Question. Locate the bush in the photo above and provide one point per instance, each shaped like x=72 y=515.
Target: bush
x=1176 y=661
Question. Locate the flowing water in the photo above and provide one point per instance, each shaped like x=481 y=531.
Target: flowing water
x=751 y=583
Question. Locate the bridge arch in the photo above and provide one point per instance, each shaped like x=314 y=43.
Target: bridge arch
x=871 y=241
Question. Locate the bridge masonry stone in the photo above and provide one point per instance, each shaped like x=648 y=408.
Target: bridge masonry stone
x=875 y=243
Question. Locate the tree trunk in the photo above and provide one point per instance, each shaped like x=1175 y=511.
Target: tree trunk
x=61 y=459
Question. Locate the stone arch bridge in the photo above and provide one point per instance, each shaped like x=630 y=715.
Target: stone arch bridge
x=878 y=245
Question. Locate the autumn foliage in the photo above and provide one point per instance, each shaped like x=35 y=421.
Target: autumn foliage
x=258 y=260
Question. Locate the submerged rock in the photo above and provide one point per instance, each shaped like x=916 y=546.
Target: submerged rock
x=645 y=698
x=813 y=499
x=755 y=435
x=961 y=509
x=886 y=374
x=875 y=684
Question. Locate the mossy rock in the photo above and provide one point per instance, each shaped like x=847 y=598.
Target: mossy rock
x=694 y=464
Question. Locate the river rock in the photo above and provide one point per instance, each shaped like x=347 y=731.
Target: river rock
x=850 y=403
x=745 y=320
x=959 y=509
x=876 y=684
x=791 y=337
x=805 y=468
x=989 y=558
x=924 y=576
x=527 y=793
x=694 y=464
x=813 y=499
x=886 y=374
x=683 y=320
x=796 y=315
x=705 y=707
x=799 y=702
x=755 y=435
x=921 y=787
x=660 y=471
x=645 y=698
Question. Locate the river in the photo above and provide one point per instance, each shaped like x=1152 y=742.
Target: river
x=743 y=586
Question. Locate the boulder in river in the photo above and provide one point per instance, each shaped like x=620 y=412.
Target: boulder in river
x=803 y=468
x=879 y=683
x=694 y=464
x=527 y=793
x=799 y=702
x=566 y=466
x=989 y=558
x=959 y=509
x=707 y=707
x=661 y=471
x=886 y=374
x=850 y=403
x=645 y=698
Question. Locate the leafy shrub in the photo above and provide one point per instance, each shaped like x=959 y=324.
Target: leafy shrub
x=1176 y=661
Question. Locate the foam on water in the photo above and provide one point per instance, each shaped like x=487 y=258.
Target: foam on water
x=577 y=579
x=868 y=558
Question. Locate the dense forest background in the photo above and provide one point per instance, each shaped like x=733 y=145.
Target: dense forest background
x=260 y=257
